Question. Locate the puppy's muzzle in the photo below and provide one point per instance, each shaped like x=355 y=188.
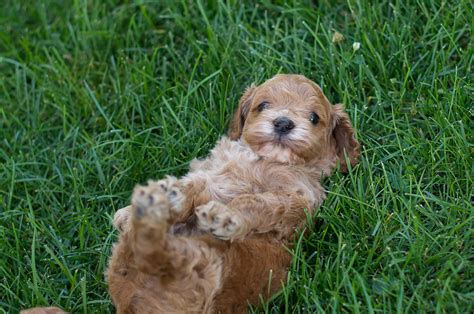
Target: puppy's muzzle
x=283 y=125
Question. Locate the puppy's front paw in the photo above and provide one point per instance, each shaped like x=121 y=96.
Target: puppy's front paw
x=159 y=200
x=220 y=220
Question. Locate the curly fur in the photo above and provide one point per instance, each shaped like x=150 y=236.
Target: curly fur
x=211 y=240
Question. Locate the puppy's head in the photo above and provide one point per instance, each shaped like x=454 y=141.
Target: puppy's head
x=288 y=119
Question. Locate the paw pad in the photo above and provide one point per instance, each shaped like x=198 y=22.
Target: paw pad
x=158 y=199
x=219 y=220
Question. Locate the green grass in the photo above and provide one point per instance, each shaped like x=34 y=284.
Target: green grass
x=96 y=96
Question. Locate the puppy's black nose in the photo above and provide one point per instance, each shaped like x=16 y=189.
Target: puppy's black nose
x=283 y=125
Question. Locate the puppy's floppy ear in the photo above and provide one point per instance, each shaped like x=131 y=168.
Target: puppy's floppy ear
x=343 y=134
x=238 y=121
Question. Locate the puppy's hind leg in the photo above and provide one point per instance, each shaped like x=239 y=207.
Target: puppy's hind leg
x=154 y=271
x=154 y=208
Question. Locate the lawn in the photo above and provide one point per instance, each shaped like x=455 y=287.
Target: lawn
x=96 y=96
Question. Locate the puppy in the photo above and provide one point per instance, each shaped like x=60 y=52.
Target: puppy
x=214 y=240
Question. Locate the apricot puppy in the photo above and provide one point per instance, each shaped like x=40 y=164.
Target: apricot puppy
x=211 y=240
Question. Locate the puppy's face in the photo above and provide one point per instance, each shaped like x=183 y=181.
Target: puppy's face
x=288 y=119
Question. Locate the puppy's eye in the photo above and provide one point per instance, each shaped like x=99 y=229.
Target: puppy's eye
x=262 y=106
x=314 y=118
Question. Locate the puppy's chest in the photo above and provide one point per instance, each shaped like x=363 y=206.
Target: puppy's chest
x=232 y=169
x=228 y=172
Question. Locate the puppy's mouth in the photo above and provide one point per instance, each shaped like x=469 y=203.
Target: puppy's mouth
x=283 y=142
x=266 y=136
x=276 y=147
x=279 y=142
x=281 y=139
